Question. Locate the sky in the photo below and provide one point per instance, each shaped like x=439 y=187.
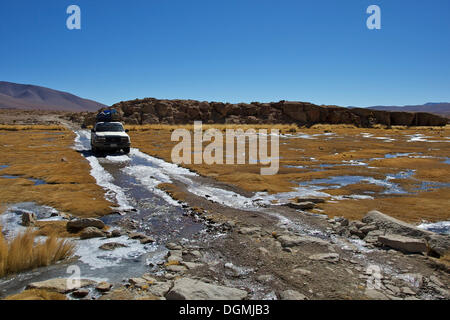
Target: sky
x=232 y=51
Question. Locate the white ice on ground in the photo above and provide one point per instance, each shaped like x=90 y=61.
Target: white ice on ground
x=151 y=171
x=118 y=159
x=89 y=253
x=113 y=192
x=442 y=227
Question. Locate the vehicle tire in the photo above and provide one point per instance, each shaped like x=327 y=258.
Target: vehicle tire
x=126 y=150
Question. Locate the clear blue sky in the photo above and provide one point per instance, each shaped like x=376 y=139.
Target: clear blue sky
x=235 y=50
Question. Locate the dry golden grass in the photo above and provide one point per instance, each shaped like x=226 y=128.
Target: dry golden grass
x=347 y=144
x=20 y=127
x=37 y=294
x=25 y=253
x=45 y=155
x=56 y=228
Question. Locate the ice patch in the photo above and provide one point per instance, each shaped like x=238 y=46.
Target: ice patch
x=118 y=159
x=441 y=227
x=89 y=253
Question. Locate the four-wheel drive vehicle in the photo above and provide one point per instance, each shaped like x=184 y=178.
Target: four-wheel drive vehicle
x=109 y=136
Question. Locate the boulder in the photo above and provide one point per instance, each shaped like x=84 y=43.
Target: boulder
x=61 y=285
x=394 y=226
x=141 y=237
x=91 y=232
x=438 y=245
x=307 y=205
x=104 y=286
x=160 y=289
x=402 y=243
x=80 y=224
x=191 y=289
x=292 y=295
x=81 y=293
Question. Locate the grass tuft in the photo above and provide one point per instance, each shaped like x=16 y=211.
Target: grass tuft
x=24 y=252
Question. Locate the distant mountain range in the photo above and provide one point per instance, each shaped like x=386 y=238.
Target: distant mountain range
x=24 y=96
x=439 y=108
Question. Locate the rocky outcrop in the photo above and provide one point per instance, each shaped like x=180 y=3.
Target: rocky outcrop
x=154 y=111
x=393 y=226
x=379 y=229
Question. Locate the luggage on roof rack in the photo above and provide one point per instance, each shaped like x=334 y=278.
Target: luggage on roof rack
x=108 y=115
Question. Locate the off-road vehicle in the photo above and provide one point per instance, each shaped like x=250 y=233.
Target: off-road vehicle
x=109 y=137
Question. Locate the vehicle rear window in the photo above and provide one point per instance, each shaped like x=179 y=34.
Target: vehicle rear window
x=109 y=127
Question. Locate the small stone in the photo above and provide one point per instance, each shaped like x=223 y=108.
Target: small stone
x=173 y=246
x=407 y=290
x=112 y=245
x=249 y=231
x=146 y=240
x=301 y=271
x=176 y=268
x=192 y=265
x=80 y=224
x=104 y=286
x=91 y=232
x=116 y=233
x=375 y=295
x=264 y=278
x=436 y=281
x=80 y=293
x=292 y=295
x=328 y=257
x=28 y=219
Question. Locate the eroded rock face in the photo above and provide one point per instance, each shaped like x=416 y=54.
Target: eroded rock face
x=190 y=289
x=150 y=110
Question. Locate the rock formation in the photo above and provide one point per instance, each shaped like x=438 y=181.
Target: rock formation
x=154 y=111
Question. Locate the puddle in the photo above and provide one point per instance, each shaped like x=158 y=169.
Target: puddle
x=337 y=182
x=37 y=182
